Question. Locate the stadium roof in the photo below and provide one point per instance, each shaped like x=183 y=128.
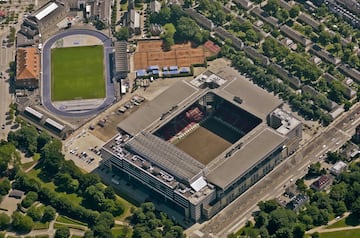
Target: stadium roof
x=121 y=61
x=250 y=154
x=46 y=11
x=152 y=111
x=255 y=100
x=166 y=156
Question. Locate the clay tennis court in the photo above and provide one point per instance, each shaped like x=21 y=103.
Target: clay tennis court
x=150 y=53
x=203 y=145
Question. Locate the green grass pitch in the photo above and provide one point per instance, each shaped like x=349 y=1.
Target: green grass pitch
x=77 y=73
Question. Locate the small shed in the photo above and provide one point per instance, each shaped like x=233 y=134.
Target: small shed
x=18 y=194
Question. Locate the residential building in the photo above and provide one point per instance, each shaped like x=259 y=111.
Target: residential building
x=297 y=202
x=338 y=168
x=133 y=22
x=155 y=6
x=309 y=20
x=246 y=4
x=200 y=19
x=322 y=183
x=27 y=68
x=351 y=72
x=295 y=35
x=325 y=55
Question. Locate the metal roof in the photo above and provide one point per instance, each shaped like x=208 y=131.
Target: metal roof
x=166 y=156
x=46 y=11
x=254 y=99
x=242 y=161
x=152 y=111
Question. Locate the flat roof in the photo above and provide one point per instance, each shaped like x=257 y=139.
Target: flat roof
x=152 y=111
x=46 y=11
x=255 y=99
x=250 y=154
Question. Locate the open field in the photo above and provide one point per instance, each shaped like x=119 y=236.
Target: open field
x=77 y=73
x=183 y=55
x=336 y=234
x=203 y=145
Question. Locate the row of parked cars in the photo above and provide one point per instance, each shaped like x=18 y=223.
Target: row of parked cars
x=135 y=101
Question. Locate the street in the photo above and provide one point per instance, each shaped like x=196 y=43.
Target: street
x=237 y=213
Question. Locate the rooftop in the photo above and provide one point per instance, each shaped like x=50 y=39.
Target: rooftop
x=288 y=122
x=166 y=156
x=250 y=154
x=255 y=99
x=27 y=63
x=46 y=10
x=153 y=110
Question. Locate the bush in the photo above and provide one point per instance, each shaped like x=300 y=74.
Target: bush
x=30 y=198
x=4 y=221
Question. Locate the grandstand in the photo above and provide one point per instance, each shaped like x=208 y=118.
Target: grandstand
x=33 y=113
x=54 y=125
x=198 y=149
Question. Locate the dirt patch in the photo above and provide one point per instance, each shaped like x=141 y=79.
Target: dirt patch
x=183 y=55
x=203 y=145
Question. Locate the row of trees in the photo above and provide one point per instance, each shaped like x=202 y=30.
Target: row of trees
x=276 y=221
x=294 y=62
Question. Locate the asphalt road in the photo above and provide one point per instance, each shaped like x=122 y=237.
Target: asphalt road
x=237 y=213
x=6 y=55
x=46 y=73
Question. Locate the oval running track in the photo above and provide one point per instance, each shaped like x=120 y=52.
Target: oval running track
x=46 y=73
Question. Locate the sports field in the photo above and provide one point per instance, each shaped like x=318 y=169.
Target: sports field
x=77 y=73
x=203 y=145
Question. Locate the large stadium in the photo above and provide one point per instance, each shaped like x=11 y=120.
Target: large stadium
x=200 y=144
x=76 y=77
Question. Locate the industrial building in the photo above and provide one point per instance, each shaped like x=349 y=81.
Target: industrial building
x=147 y=150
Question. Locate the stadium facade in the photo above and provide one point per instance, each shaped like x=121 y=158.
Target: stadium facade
x=145 y=150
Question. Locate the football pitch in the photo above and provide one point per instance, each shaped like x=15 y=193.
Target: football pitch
x=77 y=73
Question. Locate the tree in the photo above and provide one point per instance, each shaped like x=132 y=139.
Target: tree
x=34 y=213
x=5 y=186
x=62 y=232
x=315 y=235
x=294 y=11
x=109 y=192
x=89 y=234
x=272 y=7
x=268 y=206
x=355 y=208
x=324 y=38
x=168 y=36
x=332 y=157
x=298 y=230
x=30 y=198
x=252 y=36
x=49 y=214
x=186 y=28
x=314 y=170
x=4 y=221
x=25 y=139
x=22 y=223
x=122 y=34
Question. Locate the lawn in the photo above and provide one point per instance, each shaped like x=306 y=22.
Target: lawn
x=121 y=232
x=77 y=73
x=65 y=219
x=72 y=226
x=343 y=234
x=348 y=221
x=35 y=173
